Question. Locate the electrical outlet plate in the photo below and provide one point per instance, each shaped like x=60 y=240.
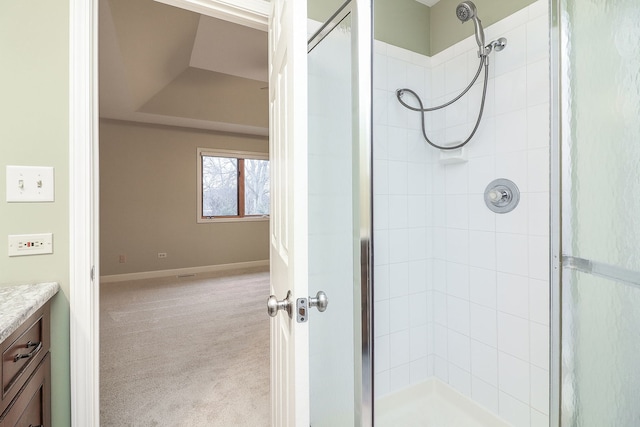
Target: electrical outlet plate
x=30 y=244
x=30 y=184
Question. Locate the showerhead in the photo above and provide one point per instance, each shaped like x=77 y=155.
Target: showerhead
x=466 y=11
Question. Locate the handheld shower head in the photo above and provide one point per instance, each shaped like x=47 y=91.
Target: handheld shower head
x=466 y=11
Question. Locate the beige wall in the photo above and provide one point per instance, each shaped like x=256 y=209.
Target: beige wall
x=34 y=131
x=148 y=185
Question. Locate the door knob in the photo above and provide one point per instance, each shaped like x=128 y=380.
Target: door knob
x=273 y=305
x=320 y=301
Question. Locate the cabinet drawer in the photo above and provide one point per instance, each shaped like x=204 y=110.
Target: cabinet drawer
x=32 y=406
x=22 y=351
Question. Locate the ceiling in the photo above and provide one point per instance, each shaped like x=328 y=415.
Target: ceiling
x=165 y=65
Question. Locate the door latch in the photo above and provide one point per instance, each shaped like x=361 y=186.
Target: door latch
x=320 y=301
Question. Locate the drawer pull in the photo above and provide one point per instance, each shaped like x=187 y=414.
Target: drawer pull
x=32 y=353
x=39 y=425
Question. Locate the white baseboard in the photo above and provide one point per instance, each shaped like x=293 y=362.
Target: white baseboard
x=180 y=271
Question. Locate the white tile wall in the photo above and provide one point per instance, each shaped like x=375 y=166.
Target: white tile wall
x=484 y=362
x=462 y=293
x=485 y=394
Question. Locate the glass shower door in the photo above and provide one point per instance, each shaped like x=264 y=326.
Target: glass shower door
x=600 y=58
x=333 y=227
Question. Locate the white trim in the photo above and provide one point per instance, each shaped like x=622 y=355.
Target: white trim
x=250 y=13
x=240 y=154
x=186 y=122
x=233 y=219
x=83 y=213
x=180 y=271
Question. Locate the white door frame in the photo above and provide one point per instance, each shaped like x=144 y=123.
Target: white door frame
x=84 y=225
x=83 y=212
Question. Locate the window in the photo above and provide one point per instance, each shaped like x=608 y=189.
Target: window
x=232 y=185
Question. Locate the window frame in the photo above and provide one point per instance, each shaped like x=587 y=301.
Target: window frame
x=237 y=154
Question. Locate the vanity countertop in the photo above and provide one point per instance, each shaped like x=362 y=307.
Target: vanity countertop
x=19 y=302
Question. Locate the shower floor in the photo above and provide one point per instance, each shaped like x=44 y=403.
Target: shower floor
x=432 y=404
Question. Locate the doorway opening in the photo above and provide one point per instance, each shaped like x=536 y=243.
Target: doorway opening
x=182 y=317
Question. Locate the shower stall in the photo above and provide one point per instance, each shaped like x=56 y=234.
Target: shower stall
x=457 y=196
x=461 y=292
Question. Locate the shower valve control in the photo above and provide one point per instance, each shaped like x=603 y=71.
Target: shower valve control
x=501 y=196
x=498 y=195
x=320 y=301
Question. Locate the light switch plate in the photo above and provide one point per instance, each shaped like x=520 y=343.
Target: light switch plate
x=30 y=184
x=30 y=244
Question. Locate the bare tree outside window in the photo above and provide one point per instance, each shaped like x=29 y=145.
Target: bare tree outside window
x=219 y=186
x=256 y=187
x=234 y=187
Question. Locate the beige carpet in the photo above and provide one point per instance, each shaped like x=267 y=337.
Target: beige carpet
x=185 y=351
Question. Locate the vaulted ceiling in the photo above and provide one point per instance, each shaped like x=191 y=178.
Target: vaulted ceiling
x=161 y=64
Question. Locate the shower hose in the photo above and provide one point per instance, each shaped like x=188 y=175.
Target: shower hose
x=484 y=60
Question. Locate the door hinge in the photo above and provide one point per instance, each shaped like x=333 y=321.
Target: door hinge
x=93 y=272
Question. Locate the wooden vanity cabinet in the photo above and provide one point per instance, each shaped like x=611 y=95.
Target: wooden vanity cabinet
x=25 y=373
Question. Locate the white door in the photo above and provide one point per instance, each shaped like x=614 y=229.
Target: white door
x=289 y=208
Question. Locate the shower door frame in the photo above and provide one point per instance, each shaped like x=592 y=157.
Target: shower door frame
x=555 y=223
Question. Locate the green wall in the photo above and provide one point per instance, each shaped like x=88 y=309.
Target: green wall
x=403 y=23
x=34 y=130
x=419 y=28
x=321 y=10
x=447 y=30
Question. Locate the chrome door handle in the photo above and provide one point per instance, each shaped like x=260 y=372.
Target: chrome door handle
x=320 y=301
x=273 y=305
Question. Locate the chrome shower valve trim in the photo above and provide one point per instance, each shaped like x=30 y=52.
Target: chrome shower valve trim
x=501 y=196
